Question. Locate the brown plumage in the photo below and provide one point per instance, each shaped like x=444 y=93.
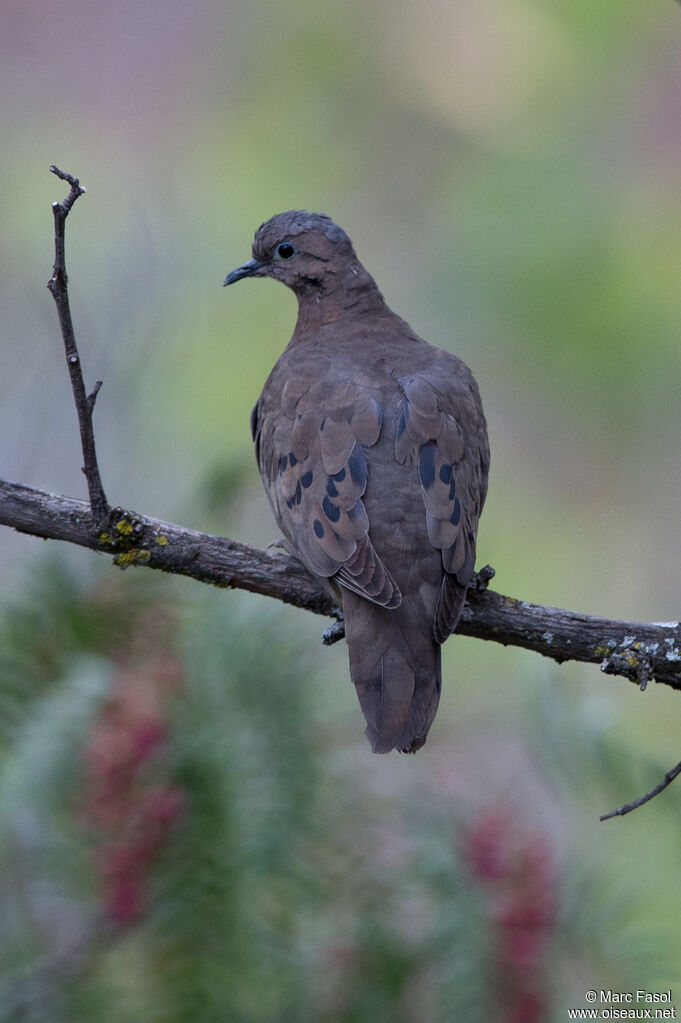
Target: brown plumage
x=372 y=446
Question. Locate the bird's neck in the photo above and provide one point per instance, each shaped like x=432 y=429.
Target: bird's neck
x=335 y=297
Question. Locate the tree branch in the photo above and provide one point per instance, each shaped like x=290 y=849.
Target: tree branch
x=635 y=650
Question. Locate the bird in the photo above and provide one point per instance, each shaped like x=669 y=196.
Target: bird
x=372 y=446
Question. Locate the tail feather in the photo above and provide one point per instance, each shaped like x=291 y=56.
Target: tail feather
x=395 y=666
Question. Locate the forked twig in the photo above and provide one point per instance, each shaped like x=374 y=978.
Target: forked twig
x=85 y=403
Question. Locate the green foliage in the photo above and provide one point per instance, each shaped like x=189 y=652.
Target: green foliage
x=59 y=619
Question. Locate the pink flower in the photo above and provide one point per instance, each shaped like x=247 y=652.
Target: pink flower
x=130 y=809
x=516 y=871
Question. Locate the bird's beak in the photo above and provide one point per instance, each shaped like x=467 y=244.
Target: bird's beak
x=250 y=269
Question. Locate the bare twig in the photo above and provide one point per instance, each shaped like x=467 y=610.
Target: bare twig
x=628 y=807
x=85 y=403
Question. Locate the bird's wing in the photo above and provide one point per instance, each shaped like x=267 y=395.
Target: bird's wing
x=310 y=448
x=441 y=428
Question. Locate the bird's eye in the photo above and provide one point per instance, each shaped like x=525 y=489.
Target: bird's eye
x=286 y=250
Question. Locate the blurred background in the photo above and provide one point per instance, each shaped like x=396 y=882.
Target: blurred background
x=192 y=827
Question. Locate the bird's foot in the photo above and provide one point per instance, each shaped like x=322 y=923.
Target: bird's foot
x=482 y=579
x=335 y=631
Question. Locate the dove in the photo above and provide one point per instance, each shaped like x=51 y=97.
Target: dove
x=372 y=447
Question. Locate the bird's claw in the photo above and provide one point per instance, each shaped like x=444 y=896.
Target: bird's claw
x=282 y=544
x=335 y=631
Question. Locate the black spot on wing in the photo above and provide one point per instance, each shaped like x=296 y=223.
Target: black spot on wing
x=306 y=479
x=446 y=473
x=318 y=529
x=357 y=464
x=456 y=514
x=331 y=488
x=331 y=510
x=292 y=459
x=338 y=476
x=427 y=457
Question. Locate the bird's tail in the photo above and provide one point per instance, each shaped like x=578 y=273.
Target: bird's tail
x=395 y=666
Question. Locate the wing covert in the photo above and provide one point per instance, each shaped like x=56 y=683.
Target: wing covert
x=315 y=471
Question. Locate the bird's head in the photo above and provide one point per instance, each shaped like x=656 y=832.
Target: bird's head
x=305 y=251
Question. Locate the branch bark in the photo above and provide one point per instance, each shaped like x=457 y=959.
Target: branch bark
x=635 y=650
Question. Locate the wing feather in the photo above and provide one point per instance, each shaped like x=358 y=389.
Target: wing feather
x=452 y=469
